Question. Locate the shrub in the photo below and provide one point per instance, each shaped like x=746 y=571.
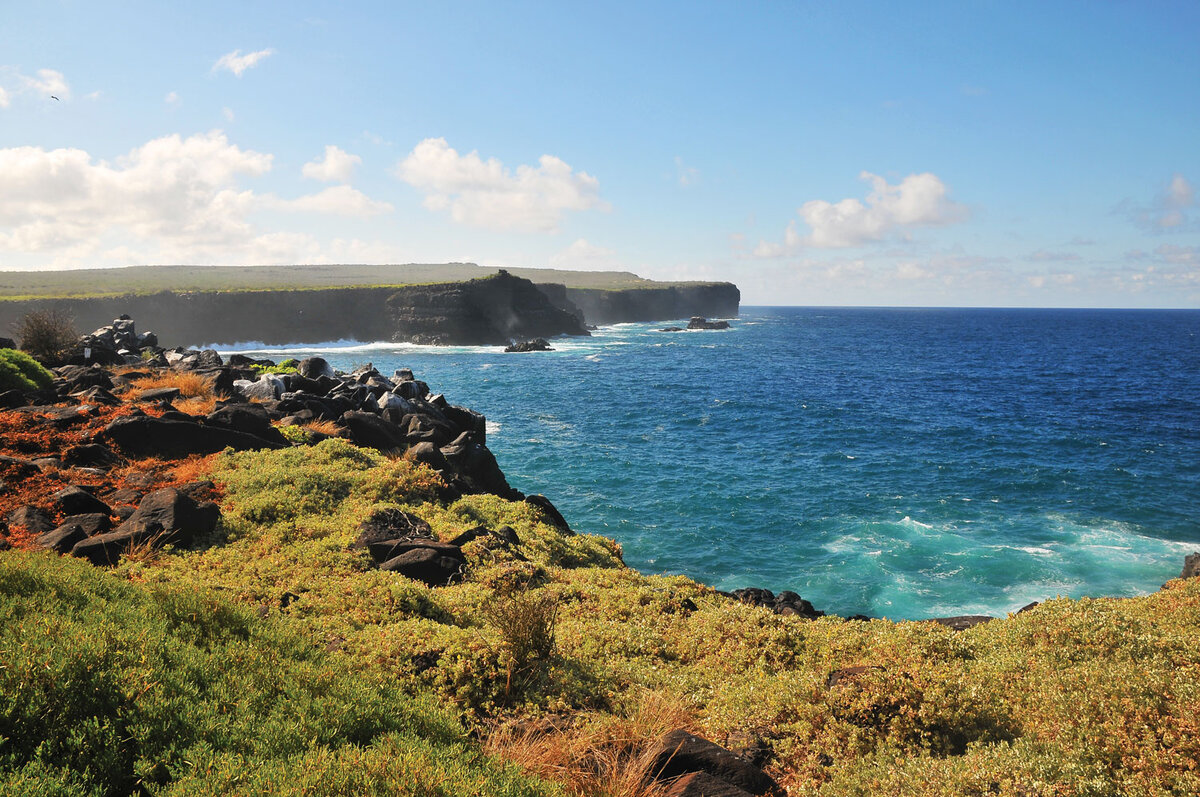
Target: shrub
x=49 y=335
x=526 y=622
x=19 y=371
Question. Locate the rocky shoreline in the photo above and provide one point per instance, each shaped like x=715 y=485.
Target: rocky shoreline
x=397 y=414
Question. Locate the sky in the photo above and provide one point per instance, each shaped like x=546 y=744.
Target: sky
x=815 y=153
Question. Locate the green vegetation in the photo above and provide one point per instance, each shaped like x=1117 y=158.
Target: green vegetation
x=19 y=371
x=24 y=285
x=108 y=688
x=1089 y=697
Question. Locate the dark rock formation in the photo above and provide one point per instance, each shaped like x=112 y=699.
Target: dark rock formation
x=962 y=622
x=700 y=322
x=164 y=517
x=680 y=753
x=30 y=518
x=537 y=344
x=75 y=500
x=551 y=512
x=477 y=312
x=177 y=438
x=786 y=603
x=1191 y=566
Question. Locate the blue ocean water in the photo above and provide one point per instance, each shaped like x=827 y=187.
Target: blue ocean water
x=906 y=463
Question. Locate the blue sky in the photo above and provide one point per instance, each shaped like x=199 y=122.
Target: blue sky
x=958 y=153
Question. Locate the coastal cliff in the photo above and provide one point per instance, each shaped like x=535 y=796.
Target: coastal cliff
x=480 y=311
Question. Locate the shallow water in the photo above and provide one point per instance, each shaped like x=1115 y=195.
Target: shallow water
x=905 y=463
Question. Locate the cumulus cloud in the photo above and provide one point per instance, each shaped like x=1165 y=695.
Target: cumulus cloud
x=173 y=198
x=336 y=167
x=889 y=211
x=45 y=83
x=237 y=63
x=485 y=193
x=1047 y=256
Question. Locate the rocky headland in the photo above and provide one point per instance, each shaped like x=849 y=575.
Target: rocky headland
x=493 y=308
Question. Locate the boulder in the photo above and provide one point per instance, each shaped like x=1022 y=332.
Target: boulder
x=680 y=753
x=315 y=367
x=391 y=524
x=702 y=784
x=164 y=517
x=390 y=401
x=477 y=469
x=786 y=603
x=248 y=418
x=63 y=538
x=31 y=518
x=671 y=329
x=962 y=622
x=91 y=523
x=553 y=516
x=428 y=454
x=428 y=565
x=1191 y=566
x=90 y=455
x=75 y=500
x=160 y=394
x=371 y=431
x=7 y=343
x=175 y=439
x=387 y=550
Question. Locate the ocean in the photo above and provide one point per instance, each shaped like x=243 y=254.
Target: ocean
x=901 y=463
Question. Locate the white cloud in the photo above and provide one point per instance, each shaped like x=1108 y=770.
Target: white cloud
x=487 y=194
x=338 y=166
x=237 y=63
x=890 y=211
x=173 y=199
x=45 y=84
x=337 y=200
x=584 y=256
x=172 y=98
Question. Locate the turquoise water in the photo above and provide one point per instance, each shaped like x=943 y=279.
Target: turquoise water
x=893 y=462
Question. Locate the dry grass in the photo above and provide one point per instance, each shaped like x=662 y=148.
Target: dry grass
x=147 y=551
x=596 y=755
x=190 y=385
x=322 y=427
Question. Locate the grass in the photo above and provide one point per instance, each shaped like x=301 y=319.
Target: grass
x=196 y=393
x=1087 y=697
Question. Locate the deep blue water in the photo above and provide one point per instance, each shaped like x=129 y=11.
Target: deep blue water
x=905 y=463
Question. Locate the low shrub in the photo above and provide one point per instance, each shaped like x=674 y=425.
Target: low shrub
x=19 y=371
x=48 y=335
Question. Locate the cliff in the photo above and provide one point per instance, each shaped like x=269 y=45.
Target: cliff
x=478 y=312
x=469 y=312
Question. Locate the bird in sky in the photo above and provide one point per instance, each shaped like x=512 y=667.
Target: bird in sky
x=54 y=98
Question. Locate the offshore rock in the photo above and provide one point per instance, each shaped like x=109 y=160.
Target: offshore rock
x=537 y=344
x=1191 y=566
x=700 y=322
x=479 y=312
